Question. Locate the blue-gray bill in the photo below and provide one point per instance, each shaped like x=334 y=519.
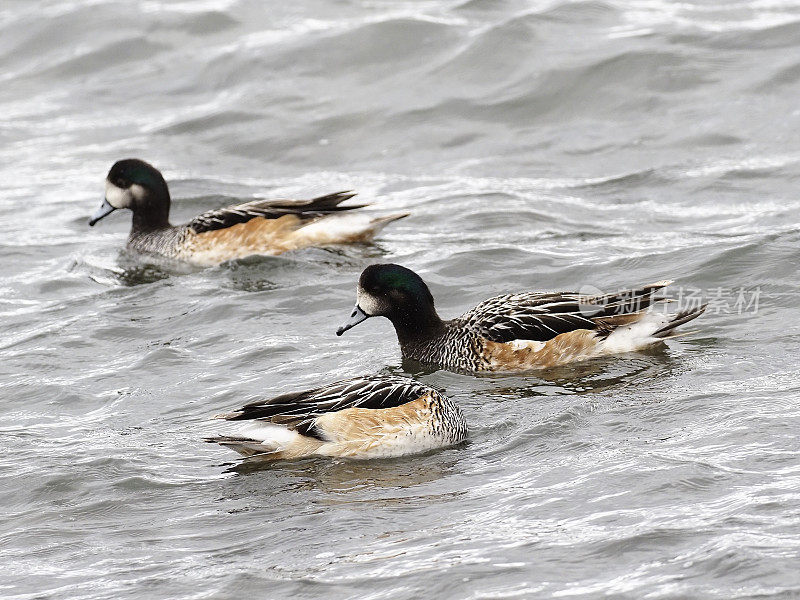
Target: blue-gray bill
x=104 y=210
x=357 y=317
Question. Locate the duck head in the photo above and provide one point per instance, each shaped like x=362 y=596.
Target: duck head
x=394 y=292
x=140 y=187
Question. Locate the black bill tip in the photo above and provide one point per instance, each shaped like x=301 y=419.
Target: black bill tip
x=356 y=317
x=104 y=210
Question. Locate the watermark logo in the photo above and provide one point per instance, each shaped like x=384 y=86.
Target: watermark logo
x=594 y=302
x=720 y=300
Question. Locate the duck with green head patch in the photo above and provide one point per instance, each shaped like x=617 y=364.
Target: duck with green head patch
x=513 y=332
x=257 y=227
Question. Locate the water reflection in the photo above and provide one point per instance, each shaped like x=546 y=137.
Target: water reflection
x=343 y=476
x=591 y=376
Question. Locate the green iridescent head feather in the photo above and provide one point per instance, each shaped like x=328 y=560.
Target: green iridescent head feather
x=386 y=278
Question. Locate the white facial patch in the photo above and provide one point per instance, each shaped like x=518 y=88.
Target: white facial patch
x=368 y=303
x=137 y=191
x=117 y=197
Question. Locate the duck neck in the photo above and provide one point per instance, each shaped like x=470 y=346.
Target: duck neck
x=151 y=216
x=417 y=328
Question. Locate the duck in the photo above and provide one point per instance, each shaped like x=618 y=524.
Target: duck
x=366 y=417
x=513 y=332
x=267 y=227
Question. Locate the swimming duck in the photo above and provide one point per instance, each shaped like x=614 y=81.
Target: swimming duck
x=257 y=227
x=363 y=417
x=514 y=332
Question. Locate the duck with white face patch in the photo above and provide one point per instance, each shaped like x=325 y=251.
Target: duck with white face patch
x=258 y=227
x=514 y=332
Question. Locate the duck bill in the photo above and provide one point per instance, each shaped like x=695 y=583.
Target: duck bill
x=357 y=317
x=104 y=210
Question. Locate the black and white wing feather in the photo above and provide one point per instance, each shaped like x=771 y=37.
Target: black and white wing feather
x=298 y=410
x=538 y=317
x=541 y=317
x=270 y=209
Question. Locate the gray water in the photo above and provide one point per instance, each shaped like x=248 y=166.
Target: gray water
x=552 y=145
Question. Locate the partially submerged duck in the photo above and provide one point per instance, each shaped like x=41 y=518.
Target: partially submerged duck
x=514 y=332
x=363 y=417
x=257 y=227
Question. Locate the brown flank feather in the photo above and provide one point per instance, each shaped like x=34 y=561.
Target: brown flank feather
x=562 y=349
x=348 y=432
x=272 y=237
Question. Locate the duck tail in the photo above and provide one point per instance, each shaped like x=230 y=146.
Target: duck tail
x=331 y=202
x=677 y=320
x=644 y=329
x=375 y=225
x=256 y=450
x=337 y=229
x=269 y=441
x=379 y=223
x=244 y=446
